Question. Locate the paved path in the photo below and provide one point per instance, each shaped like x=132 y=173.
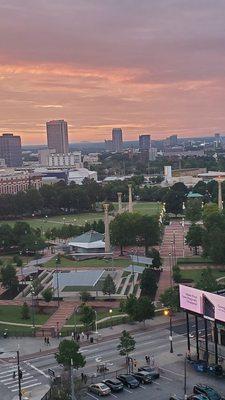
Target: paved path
x=172 y=247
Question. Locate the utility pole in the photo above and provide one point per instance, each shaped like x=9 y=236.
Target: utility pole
x=19 y=375
x=72 y=382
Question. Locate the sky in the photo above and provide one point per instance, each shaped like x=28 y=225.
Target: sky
x=147 y=66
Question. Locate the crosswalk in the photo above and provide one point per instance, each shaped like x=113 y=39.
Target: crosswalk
x=10 y=382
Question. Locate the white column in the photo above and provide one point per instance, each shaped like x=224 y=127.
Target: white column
x=106 y=222
x=130 y=205
x=220 y=201
x=120 y=210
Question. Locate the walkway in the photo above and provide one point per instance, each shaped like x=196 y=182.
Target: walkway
x=58 y=319
x=174 y=233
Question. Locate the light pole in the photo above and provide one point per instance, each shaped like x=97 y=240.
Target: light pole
x=57 y=277
x=32 y=303
x=169 y=313
x=96 y=322
x=19 y=373
x=75 y=322
x=110 y=314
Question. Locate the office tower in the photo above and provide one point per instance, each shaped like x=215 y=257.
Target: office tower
x=173 y=140
x=144 y=142
x=152 y=154
x=109 y=145
x=217 y=139
x=10 y=150
x=117 y=139
x=57 y=136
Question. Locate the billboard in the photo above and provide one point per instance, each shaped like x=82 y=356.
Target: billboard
x=210 y=305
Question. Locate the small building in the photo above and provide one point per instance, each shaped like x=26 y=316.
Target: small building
x=88 y=242
x=192 y=195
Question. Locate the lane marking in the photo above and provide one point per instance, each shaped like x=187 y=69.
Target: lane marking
x=91 y=395
x=13 y=379
x=127 y=390
x=142 y=387
x=114 y=395
x=16 y=385
x=37 y=369
x=171 y=372
x=28 y=386
x=155 y=383
x=165 y=377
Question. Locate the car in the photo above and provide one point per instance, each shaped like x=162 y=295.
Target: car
x=99 y=388
x=143 y=377
x=207 y=391
x=129 y=381
x=191 y=397
x=114 y=385
x=154 y=372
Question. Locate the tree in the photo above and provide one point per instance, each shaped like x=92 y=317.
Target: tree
x=129 y=305
x=193 y=210
x=174 y=202
x=69 y=351
x=127 y=344
x=207 y=281
x=87 y=316
x=194 y=237
x=156 y=259
x=109 y=286
x=148 y=231
x=37 y=286
x=144 y=309
x=123 y=230
x=8 y=277
x=170 y=298
x=177 y=277
x=85 y=295
x=18 y=261
x=148 y=283
x=25 y=312
x=47 y=294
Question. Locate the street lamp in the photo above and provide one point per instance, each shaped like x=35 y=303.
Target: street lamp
x=110 y=314
x=96 y=322
x=57 y=277
x=75 y=322
x=32 y=303
x=169 y=313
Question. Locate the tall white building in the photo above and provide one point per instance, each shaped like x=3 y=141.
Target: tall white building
x=49 y=158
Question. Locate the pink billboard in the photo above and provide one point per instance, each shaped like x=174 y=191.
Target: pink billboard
x=211 y=305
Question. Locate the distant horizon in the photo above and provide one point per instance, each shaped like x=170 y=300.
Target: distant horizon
x=152 y=67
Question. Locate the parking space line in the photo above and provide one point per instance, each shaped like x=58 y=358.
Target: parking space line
x=114 y=395
x=165 y=377
x=93 y=397
x=171 y=372
x=142 y=387
x=127 y=390
x=156 y=383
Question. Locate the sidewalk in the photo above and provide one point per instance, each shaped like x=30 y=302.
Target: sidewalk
x=35 y=346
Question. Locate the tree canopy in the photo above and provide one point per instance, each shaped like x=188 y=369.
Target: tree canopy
x=127 y=344
x=69 y=351
x=108 y=286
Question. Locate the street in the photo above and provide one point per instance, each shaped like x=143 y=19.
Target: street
x=155 y=344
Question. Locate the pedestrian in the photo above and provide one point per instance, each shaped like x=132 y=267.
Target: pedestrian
x=87 y=334
x=14 y=374
x=146 y=359
x=45 y=340
x=82 y=335
x=85 y=379
x=78 y=337
x=82 y=376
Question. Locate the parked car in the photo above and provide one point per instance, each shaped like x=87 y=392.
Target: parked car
x=191 y=397
x=154 y=372
x=99 y=388
x=114 y=385
x=207 y=391
x=143 y=377
x=129 y=381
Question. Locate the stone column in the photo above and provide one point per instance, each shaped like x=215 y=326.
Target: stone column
x=106 y=222
x=220 y=200
x=130 y=205
x=120 y=210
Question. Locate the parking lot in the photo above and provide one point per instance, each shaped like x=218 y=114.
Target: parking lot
x=171 y=381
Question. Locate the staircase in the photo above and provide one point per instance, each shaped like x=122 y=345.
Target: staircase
x=57 y=320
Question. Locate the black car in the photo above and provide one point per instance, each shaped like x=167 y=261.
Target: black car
x=207 y=391
x=191 y=397
x=143 y=377
x=129 y=381
x=154 y=372
x=114 y=385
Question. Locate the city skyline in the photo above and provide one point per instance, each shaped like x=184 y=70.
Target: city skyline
x=148 y=67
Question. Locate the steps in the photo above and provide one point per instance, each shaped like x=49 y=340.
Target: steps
x=58 y=319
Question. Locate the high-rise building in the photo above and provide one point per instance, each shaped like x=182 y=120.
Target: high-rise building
x=144 y=142
x=109 y=145
x=57 y=136
x=10 y=150
x=173 y=140
x=117 y=139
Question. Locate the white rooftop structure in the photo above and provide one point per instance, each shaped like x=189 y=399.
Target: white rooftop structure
x=77 y=176
x=86 y=278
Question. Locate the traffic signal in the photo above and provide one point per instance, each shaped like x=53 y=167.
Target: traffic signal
x=20 y=374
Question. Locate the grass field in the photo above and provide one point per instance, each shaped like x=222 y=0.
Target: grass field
x=100 y=315
x=96 y=263
x=80 y=219
x=13 y=314
x=195 y=274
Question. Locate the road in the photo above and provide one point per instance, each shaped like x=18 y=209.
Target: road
x=154 y=343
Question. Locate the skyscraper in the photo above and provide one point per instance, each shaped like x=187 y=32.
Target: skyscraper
x=117 y=139
x=57 y=136
x=10 y=150
x=144 y=142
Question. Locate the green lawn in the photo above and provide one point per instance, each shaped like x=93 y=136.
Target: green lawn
x=96 y=263
x=149 y=208
x=13 y=314
x=195 y=274
x=100 y=315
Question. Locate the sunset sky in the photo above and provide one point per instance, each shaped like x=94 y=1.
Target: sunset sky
x=147 y=66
